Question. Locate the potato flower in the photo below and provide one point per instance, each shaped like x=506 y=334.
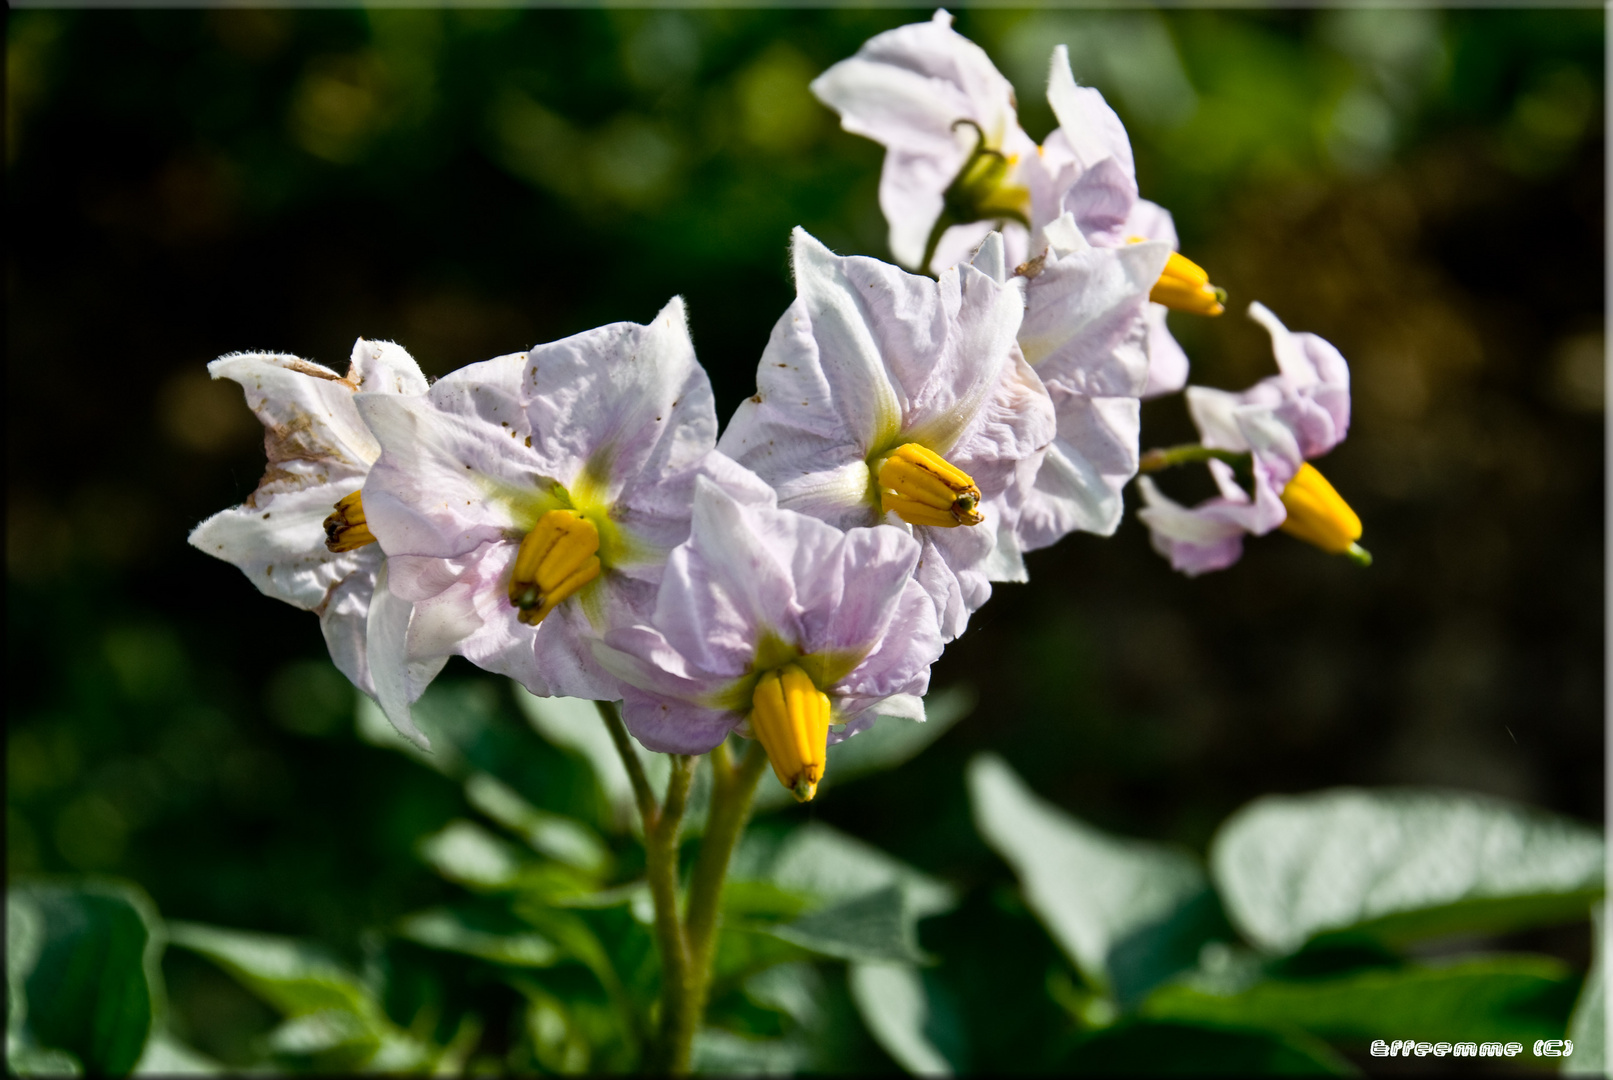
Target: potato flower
x=778 y=626
x=285 y=536
x=1264 y=437
x=886 y=396
x=528 y=503
x=958 y=165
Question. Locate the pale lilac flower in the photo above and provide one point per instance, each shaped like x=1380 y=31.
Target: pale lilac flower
x=319 y=453
x=916 y=88
x=940 y=107
x=585 y=448
x=1277 y=425
x=1085 y=335
x=758 y=590
x=872 y=366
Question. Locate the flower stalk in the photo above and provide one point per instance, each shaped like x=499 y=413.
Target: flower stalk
x=687 y=945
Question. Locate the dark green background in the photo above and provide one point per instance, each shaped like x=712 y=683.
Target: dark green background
x=1423 y=188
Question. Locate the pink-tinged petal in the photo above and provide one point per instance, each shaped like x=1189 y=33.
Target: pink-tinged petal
x=1215 y=414
x=673 y=726
x=455 y=465
x=952 y=570
x=912 y=190
x=1103 y=200
x=1081 y=478
x=1085 y=330
x=1091 y=128
x=627 y=403
x=909 y=643
x=1167 y=362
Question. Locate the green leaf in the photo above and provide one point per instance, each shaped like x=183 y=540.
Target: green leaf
x=560 y=838
x=469 y=855
x=1400 y=865
x=822 y=862
x=1127 y=913
x=873 y=927
x=894 y=1005
x=502 y=941
x=1587 y=1028
x=1514 y=997
x=292 y=977
x=334 y=1021
x=167 y=1056
x=83 y=967
x=1158 y=1048
x=723 y=1053
x=890 y=742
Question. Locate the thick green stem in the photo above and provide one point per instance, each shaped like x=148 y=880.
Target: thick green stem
x=1165 y=457
x=733 y=786
x=661 y=856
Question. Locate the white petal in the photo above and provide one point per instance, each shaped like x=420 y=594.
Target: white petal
x=1215 y=413
x=383 y=367
x=1090 y=126
x=989 y=258
x=279 y=542
x=311 y=430
x=1167 y=363
x=387 y=646
x=344 y=620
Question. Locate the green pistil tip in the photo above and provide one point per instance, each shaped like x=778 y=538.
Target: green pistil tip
x=1358 y=555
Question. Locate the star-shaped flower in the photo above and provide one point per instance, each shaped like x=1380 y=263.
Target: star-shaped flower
x=528 y=503
x=780 y=626
x=886 y=396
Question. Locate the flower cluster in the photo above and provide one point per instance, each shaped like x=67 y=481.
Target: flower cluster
x=569 y=516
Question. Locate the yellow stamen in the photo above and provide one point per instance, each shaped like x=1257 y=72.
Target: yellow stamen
x=923 y=488
x=347 y=529
x=559 y=556
x=1318 y=515
x=790 y=716
x=1185 y=286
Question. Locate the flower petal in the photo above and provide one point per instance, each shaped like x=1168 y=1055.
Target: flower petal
x=1091 y=128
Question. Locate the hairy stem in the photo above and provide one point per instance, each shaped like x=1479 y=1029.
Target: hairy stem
x=678 y=1025
x=733 y=785
x=647 y=808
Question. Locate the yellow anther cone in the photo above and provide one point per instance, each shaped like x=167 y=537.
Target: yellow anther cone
x=1185 y=286
x=790 y=716
x=347 y=529
x=922 y=488
x=1318 y=515
x=558 y=557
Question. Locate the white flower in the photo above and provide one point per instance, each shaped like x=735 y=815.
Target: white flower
x=319 y=454
x=886 y=396
x=528 y=503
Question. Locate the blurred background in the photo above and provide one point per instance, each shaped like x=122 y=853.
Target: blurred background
x=1423 y=188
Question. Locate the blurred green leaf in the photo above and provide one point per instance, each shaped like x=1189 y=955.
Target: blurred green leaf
x=1155 y=1048
x=293 y=977
x=873 y=927
x=83 y=972
x=1400 y=865
x=167 y=1056
x=503 y=941
x=334 y=1020
x=1514 y=997
x=819 y=861
x=1587 y=1028
x=723 y=1053
x=890 y=742
x=560 y=838
x=469 y=855
x=893 y=1003
x=1127 y=913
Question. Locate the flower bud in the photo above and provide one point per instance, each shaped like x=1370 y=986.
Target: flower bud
x=347 y=529
x=922 y=488
x=558 y=557
x=790 y=716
